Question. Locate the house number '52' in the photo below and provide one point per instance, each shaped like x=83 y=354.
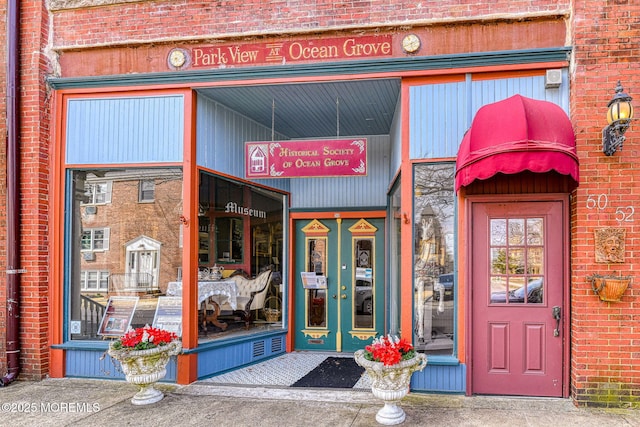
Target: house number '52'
x=601 y=201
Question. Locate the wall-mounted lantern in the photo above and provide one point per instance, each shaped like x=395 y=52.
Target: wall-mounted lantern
x=619 y=116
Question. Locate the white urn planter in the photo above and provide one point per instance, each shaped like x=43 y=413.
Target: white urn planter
x=391 y=384
x=144 y=368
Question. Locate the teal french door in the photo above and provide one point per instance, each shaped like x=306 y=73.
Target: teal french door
x=339 y=283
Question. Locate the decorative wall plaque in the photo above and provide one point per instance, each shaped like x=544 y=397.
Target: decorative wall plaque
x=609 y=245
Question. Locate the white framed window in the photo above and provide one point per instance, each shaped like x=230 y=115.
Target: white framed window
x=97 y=193
x=146 y=191
x=95 y=239
x=94 y=280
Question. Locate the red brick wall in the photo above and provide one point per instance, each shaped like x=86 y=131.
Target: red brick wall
x=181 y=20
x=33 y=192
x=605 y=340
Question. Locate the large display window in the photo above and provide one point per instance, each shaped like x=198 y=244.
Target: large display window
x=434 y=278
x=240 y=278
x=125 y=254
x=124 y=248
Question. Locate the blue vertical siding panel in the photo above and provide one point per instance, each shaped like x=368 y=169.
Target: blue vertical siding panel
x=437 y=119
x=440 y=114
x=440 y=378
x=489 y=91
x=97 y=364
x=395 y=149
x=218 y=359
x=125 y=130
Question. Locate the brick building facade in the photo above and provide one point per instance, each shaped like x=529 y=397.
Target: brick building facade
x=102 y=46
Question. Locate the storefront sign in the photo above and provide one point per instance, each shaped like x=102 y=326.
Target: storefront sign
x=282 y=52
x=313 y=158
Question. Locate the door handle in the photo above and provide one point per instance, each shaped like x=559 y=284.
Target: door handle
x=343 y=296
x=555 y=312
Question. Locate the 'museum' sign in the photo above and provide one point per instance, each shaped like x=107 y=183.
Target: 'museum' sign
x=282 y=52
x=313 y=158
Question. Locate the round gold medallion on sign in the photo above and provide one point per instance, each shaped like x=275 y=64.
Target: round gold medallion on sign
x=411 y=43
x=177 y=58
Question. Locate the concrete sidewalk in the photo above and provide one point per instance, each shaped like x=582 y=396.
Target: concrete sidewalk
x=80 y=402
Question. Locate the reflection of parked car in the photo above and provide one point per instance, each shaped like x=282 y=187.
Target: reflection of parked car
x=364 y=297
x=534 y=294
x=444 y=281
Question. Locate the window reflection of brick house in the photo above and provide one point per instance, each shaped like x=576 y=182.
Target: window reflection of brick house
x=130 y=239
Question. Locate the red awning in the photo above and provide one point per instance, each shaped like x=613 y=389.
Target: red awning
x=515 y=135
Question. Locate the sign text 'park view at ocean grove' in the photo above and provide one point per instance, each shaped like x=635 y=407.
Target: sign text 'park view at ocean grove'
x=306 y=158
x=282 y=52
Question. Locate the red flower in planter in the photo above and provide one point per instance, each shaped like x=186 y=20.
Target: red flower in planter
x=389 y=350
x=144 y=338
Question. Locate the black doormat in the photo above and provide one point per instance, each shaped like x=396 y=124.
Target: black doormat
x=333 y=372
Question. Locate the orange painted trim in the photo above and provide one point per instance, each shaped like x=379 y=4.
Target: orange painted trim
x=56 y=236
x=187 y=367
x=436 y=79
x=189 y=219
x=461 y=319
x=57 y=364
x=507 y=74
x=290 y=291
x=406 y=227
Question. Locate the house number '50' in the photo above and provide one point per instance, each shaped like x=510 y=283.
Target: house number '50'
x=601 y=201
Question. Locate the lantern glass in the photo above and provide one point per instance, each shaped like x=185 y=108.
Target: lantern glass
x=622 y=111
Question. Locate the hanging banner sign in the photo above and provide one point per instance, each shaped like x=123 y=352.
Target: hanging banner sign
x=312 y=158
x=282 y=52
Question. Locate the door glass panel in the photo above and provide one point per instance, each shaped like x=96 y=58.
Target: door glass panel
x=534 y=261
x=317 y=258
x=498 y=232
x=316 y=298
x=516 y=231
x=534 y=231
x=516 y=260
x=317 y=308
x=363 y=301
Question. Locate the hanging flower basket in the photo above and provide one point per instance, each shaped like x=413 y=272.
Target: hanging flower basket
x=609 y=288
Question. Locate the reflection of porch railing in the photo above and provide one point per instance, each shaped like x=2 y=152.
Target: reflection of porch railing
x=132 y=282
x=91 y=314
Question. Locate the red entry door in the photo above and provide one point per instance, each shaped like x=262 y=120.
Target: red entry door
x=517 y=263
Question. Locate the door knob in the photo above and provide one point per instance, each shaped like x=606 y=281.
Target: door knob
x=343 y=296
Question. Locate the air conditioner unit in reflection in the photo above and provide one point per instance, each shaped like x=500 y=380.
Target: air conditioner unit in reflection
x=89 y=256
x=91 y=210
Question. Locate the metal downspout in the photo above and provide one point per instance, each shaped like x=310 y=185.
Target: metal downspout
x=13 y=206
